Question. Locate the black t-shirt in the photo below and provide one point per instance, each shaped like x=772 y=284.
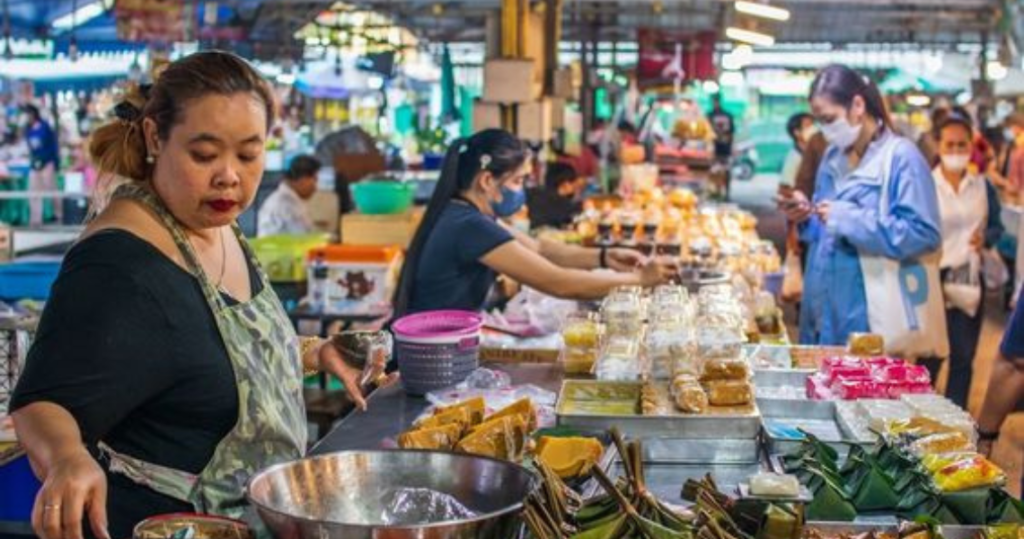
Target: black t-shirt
x=128 y=345
x=450 y=274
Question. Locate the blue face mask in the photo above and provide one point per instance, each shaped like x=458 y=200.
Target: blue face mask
x=512 y=201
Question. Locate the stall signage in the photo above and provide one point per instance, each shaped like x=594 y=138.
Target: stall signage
x=150 y=20
x=665 y=57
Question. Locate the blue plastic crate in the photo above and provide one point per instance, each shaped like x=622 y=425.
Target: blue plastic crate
x=27 y=280
x=18 y=488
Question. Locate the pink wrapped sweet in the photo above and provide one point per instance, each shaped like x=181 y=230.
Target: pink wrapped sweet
x=896 y=390
x=817 y=388
x=877 y=363
x=839 y=374
x=860 y=389
x=903 y=373
x=829 y=363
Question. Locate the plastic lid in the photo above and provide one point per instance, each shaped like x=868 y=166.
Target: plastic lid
x=357 y=253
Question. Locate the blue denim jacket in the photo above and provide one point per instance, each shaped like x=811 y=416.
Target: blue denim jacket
x=834 y=303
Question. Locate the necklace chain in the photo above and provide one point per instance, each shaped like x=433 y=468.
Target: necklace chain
x=223 y=259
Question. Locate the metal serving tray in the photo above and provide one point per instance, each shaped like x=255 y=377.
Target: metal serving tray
x=819 y=418
x=575 y=410
x=666 y=480
x=890 y=525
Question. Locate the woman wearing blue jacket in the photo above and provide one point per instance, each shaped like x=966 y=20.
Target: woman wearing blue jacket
x=844 y=222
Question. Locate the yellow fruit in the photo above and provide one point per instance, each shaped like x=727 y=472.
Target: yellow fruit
x=475 y=406
x=522 y=407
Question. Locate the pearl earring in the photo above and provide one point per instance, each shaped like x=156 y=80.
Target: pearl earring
x=150 y=159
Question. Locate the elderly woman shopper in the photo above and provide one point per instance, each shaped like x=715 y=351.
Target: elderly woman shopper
x=165 y=371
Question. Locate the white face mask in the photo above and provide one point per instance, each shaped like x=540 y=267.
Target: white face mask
x=1009 y=135
x=956 y=163
x=841 y=134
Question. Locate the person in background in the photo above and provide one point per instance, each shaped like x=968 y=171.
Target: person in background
x=1012 y=161
x=801 y=129
x=928 y=142
x=556 y=203
x=45 y=154
x=285 y=210
x=462 y=244
x=842 y=223
x=969 y=207
x=725 y=128
x=1006 y=383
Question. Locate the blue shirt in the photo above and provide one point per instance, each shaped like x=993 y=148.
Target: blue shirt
x=834 y=303
x=42 y=144
x=450 y=274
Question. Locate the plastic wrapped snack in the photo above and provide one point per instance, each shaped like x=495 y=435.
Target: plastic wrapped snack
x=725 y=369
x=972 y=472
x=690 y=398
x=775 y=485
x=441 y=438
x=664 y=348
x=934 y=463
x=947 y=442
x=729 y=393
x=619 y=360
x=866 y=344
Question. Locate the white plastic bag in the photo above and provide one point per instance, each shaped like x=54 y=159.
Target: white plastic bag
x=994 y=272
x=962 y=286
x=793 y=282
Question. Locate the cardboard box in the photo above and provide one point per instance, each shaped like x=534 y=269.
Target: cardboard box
x=511 y=81
x=399 y=229
x=486 y=115
x=533 y=121
x=562 y=84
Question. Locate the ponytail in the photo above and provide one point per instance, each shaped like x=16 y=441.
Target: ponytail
x=492 y=150
x=841 y=84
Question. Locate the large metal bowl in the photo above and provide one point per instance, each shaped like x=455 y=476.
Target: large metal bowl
x=338 y=495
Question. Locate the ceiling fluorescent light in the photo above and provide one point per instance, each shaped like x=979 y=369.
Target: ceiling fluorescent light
x=749 y=36
x=82 y=15
x=764 y=11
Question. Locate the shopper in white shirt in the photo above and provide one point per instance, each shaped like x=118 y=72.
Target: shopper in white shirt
x=969 y=207
x=285 y=210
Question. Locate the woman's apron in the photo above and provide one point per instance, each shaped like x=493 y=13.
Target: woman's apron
x=264 y=353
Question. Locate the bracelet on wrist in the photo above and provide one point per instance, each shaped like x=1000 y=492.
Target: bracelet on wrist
x=306 y=345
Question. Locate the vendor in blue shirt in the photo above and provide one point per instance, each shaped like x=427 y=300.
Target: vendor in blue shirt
x=462 y=244
x=45 y=154
x=843 y=219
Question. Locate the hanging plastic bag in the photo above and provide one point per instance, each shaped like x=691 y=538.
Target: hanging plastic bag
x=793 y=282
x=962 y=286
x=994 y=273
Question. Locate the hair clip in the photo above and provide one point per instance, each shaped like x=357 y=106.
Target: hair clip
x=127 y=112
x=485 y=161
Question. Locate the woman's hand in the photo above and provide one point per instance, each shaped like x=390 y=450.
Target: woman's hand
x=75 y=487
x=658 y=271
x=624 y=260
x=331 y=361
x=796 y=207
x=977 y=240
x=822 y=210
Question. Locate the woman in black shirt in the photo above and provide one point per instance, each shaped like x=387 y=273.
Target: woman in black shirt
x=165 y=372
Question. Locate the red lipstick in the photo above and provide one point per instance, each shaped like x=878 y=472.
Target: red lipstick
x=222 y=205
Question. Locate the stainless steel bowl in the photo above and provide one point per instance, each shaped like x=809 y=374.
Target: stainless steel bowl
x=339 y=495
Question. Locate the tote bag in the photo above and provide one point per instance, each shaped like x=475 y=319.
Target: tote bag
x=904 y=297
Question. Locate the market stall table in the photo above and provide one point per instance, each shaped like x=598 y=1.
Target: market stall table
x=392 y=411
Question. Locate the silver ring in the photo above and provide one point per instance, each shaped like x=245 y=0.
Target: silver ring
x=48 y=506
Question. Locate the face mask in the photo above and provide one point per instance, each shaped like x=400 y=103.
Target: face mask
x=512 y=201
x=841 y=134
x=1009 y=135
x=956 y=162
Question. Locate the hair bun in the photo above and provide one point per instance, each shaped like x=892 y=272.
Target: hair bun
x=127 y=112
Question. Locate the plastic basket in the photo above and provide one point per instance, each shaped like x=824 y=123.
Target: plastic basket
x=382 y=197
x=18 y=488
x=437 y=349
x=27 y=280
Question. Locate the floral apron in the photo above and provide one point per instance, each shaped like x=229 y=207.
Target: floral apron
x=264 y=353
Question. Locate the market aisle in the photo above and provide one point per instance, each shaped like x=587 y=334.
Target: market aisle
x=756 y=196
